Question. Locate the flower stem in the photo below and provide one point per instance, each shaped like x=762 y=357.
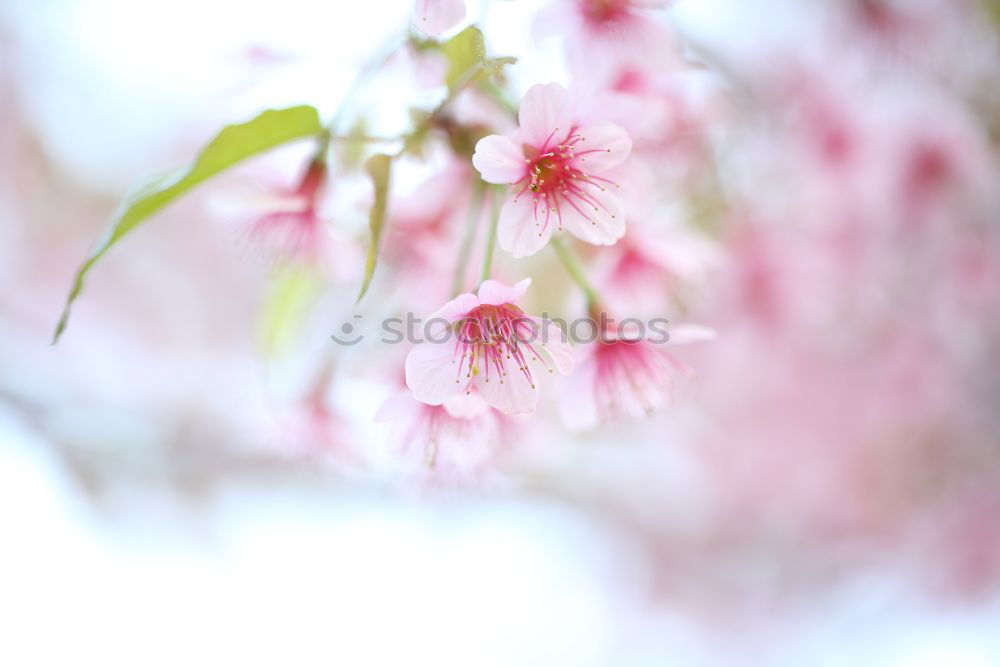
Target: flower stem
x=475 y=208
x=575 y=271
x=491 y=239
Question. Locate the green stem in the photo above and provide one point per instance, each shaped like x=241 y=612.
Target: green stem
x=575 y=271
x=491 y=239
x=475 y=208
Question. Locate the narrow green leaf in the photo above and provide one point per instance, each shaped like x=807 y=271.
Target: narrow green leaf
x=378 y=167
x=233 y=144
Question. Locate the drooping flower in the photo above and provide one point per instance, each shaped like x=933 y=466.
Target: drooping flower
x=600 y=32
x=456 y=441
x=436 y=16
x=625 y=376
x=485 y=342
x=555 y=165
x=291 y=226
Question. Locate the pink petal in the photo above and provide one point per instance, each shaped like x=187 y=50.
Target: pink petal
x=683 y=334
x=495 y=293
x=512 y=394
x=398 y=407
x=431 y=372
x=517 y=231
x=466 y=406
x=604 y=145
x=555 y=344
x=600 y=221
x=577 y=402
x=499 y=160
x=544 y=111
x=435 y=16
x=455 y=309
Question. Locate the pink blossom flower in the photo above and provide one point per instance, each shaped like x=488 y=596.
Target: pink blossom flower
x=654 y=264
x=599 y=32
x=456 y=441
x=289 y=224
x=554 y=165
x=292 y=227
x=487 y=343
x=436 y=16
x=622 y=376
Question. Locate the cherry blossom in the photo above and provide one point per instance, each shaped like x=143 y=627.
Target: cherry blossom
x=456 y=441
x=486 y=342
x=601 y=32
x=556 y=167
x=624 y=376
x=286 y=225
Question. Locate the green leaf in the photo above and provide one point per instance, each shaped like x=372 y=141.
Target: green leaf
x=464 y=51
x=467 y=60
x=992 y=8
x=378 y=167
x=233 y=144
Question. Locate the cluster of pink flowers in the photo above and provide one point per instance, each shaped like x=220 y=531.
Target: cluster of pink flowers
x=820 y=189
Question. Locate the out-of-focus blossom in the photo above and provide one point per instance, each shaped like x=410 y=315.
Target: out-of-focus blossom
x=293 y=228
x=285 y=225
x=554 y=165
x=486 y=342
x=625 y=376
x=289 y=224
x=436 y=16
x=598 y=32
x=423 y=237
x=458 y=440
x=668 y=113
x=652 y=264
x=313 y=425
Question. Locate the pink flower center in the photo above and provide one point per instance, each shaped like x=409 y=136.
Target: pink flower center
x=554 y=181
x=601 y=12
x=487 y=337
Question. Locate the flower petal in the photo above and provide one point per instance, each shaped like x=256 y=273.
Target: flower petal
x=684 y=334
x=517 y=230
x=499 y=160
x=594 y=216
x=603 y=146
x=577 y=402
x=511 y=394
x=495 y=293
x=554 y=343
x=466 y=406
x=435 y=16
x=397 y=407
x=455 y=309
x=432 y=371
x=544 y=110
